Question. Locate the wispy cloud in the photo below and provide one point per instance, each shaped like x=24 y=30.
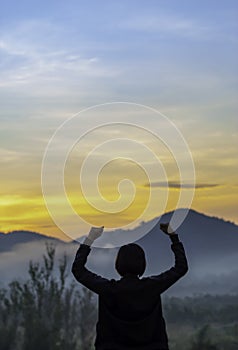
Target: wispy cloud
x=177 y=185
x=8 y=156
x=25 y=61
x=166 y=23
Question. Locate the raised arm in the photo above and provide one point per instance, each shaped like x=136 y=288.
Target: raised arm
x=89 y=279
x=180 y=268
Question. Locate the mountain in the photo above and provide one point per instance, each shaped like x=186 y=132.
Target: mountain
x=204 y=237
x=8 y=241
x=210 y=243
x=211 y=247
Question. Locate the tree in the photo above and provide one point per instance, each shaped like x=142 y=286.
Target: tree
x=88 y=314
x=202 y=340
x=46 y=312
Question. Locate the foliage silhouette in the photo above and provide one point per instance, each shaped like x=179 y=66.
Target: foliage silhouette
x=44 y=311
x=48 y=312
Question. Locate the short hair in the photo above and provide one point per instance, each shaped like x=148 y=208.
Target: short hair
x=130 y=260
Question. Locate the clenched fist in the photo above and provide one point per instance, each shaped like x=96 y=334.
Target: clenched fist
x=167 y=229
x=95 y=232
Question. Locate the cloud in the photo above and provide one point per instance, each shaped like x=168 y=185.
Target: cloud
x=178 y=185
x=14 y=263
x=8 y=156
x=28 y=61
x=207 y=279
x=53 y=66
x=166 y=23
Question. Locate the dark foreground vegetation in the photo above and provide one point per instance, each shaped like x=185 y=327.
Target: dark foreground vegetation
x=47 y=312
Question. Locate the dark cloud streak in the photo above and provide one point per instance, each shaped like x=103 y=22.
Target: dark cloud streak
x=177 y=185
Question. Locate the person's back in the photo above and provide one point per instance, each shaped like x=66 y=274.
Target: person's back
x=130 y=313
x=130 y=316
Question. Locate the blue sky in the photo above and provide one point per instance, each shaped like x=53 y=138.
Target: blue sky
x=169 y=40
x=180 y=53
x=178 y=56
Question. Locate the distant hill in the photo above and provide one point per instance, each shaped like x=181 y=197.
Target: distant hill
x=204 y=237
x=210 y=243
x=198 y=230
x=9 y=240
x=211 y=246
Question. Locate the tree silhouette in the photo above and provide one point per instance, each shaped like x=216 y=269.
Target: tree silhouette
x=48 y=311
x=202 y=340
x=44 y=312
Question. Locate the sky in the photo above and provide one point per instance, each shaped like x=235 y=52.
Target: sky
x=58 y=58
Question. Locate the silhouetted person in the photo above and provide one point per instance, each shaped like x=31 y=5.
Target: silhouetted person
x=130 y=313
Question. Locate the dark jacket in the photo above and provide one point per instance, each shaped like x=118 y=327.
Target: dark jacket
x=130 y=313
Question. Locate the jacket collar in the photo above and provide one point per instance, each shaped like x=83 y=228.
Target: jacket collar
x=130 y=275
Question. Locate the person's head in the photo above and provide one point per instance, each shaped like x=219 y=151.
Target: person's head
x=130 y=260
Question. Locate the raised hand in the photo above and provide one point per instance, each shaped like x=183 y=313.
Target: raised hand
x=95 y=232
x=167 y=229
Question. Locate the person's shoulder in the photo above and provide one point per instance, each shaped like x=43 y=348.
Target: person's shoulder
x=150 y=280
x=147 y=280
x=113 y=281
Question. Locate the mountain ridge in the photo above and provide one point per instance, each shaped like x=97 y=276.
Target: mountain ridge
x=9 y=240
x=165 y=216
x=210 y=244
